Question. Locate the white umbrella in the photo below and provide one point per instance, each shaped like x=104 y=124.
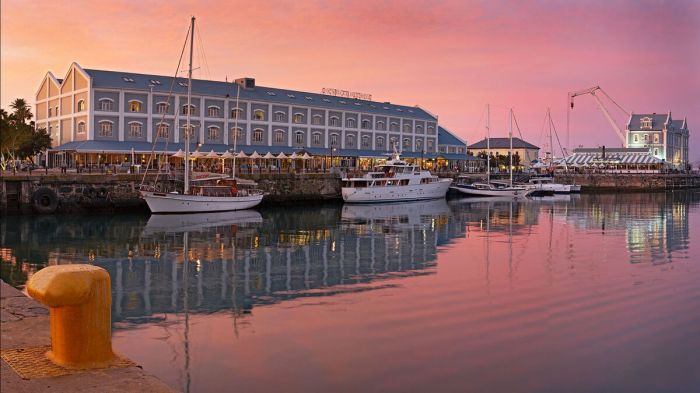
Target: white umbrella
x=294 y=156
x=282 y=156
x=196 y=154
x=241 y=154
x=306 y=156
x=227 y=155
x=211 y=154
x=255 y=155
x=268 y=156
x=179 y=154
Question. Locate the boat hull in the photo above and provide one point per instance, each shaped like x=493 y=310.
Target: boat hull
x=415 y=192
x=180 y=203
x=467 y=190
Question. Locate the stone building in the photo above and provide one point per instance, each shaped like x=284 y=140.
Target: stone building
x=665 y=138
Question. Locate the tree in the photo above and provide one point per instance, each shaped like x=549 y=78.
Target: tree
x=19 y=139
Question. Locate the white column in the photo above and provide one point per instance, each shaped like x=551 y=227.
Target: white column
x=149 y=126
x=121 y=116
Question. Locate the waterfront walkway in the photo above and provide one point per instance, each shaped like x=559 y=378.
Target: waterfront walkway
x=24 y=323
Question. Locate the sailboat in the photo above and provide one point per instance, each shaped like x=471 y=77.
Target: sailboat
x=493 y=188
x=224 y=196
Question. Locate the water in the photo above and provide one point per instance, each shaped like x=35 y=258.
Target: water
x=580 y=294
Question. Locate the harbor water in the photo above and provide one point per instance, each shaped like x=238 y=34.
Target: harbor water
x=576 y=293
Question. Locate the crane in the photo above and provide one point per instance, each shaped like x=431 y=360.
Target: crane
x=592 y=91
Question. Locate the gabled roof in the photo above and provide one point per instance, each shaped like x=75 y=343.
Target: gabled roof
x=503 y=143
x=657 y=121
x=445 y=137
x=134 y=81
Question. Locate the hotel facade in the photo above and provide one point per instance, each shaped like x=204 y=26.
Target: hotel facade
x=665 y=138
x=93 y=112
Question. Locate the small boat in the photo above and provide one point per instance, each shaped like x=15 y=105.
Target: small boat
x=546 y=184
x=395 y=181
x=204 y=198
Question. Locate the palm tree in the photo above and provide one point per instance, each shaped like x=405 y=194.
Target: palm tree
x=21 y=111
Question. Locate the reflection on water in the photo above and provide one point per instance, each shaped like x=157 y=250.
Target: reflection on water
x=357 y=270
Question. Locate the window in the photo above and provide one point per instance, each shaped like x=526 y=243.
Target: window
x=49 y=111
x=134 y=106
x=365 y=142
x=334 y=140
x=419 y=144
x=316 y=138
x=380 y=142
x=394 y=126
x=188 y=109
x=213 y=133
x=81 y=127
x=279 y=136
x=135 y=129
x=419 y=129
x=105 y=128
x=259 y=114
x=299 y=138
x=106 y=104
x=431 y=130
x=162 y=107
x=646 y=137
x=431 y=145
x=656 y=138
x=236 y=113
x=350 y=122
x=213 y=111
x=162 y=130
x=334 y=121
x=406 y=143
x=237 y=135
x=406 y=128
x=317 y=120
x=298 y=118
x=350 y=140
x=366 y=124
x=656 y=152
x=381 y=126
x=57 y=113
x=188 y=131
x=636 y=138
x=81 y=105
x=280 y=117
x=646 y=123
x=257 y=135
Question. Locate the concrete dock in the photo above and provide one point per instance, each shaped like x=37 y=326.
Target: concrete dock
x=24 y=323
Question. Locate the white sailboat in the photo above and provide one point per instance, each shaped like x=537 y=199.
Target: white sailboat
x=493 y=188
x=198 y=199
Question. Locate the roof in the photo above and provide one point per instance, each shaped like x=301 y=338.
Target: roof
x=503 y=143
x=657 y=121
x=115 y=80
x=616 y=156
x=445 y=137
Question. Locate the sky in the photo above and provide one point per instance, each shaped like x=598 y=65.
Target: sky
x=450 y=57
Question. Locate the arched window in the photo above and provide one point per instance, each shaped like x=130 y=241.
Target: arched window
x=299 y=137
x=298 y=118
x=350 y=122
x=381 y=126
x=380 y=142
x=259 y=114
x=279 y=136
x=334 y=140
x=366 y=124
x=81 y=127
x=188 y=109
x=350 y=140
x=236 y=113
x=81 y=105
x=189 y=132
x=431 y=130
x=213 y=133
x=163 y=130
x=135 y=129
x=106 y=128
x=213 y=111
x=162 y=108
x=394 y=126
x=334 y=121
x=237 y=135
x=656 y=152
x=134 y=106
x=406 y=143
x=431 y=145
x=316 y=138
x=656 y=138
x=419 y=144
x=636 y=138
x=317 y=120
x=258 y=135
x=406 y=128
x=106 y=104
x=365 y=141
x=280 y=117
x=419 y=129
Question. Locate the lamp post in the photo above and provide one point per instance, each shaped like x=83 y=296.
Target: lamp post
x=332 y=151
x=422 y=153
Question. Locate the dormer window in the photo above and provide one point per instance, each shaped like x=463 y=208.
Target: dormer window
x=134 y=106
x=646 y=123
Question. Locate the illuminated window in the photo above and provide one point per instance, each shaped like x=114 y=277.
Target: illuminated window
x=298 y=118
x=163 y=130
x=316 y=138
x=236 y=113
x=646 y=123
x=350 y=123
x=213 y=133
x=259 y=114
x=106 y=104
x=279 y=136
x=317 y=120
x=334 y=121
x=280 y=117
x=365 y=141
x=213 y=111
x=81 y=127
x=81 y=105
x=134 y=106
x=381 y=126
x=105 y=128
x=188 y=131
x=162 y=108
x=237 y=135
x=636 y=138
x=188 y=109
x=299 y=138
x=366 y=124
x=656 y=138
x=257 y=135
x=334 y=140
x=135 y=129
x=646 y=137
x=656 y=152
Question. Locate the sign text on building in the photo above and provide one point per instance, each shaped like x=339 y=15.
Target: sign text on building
x=346 y=94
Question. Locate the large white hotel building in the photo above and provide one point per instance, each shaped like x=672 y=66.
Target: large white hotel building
x=112 y=112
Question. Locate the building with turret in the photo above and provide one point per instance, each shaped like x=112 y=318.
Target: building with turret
x=666 y=139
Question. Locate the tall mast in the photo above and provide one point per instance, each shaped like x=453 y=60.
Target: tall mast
x=488 y=144
x=510 y=153
x=551 y=143
x=189 y=109
x=235 y=132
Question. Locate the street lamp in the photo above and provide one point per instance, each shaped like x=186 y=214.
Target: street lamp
x=422 y=152
x=333 y=149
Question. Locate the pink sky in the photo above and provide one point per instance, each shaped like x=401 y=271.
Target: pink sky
x=450 y=57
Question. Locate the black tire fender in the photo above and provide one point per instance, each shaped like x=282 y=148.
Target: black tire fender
x=102 y=193
x=44 y=201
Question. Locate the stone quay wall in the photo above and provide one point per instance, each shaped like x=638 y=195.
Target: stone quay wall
x=69 y=193
x=629 y=182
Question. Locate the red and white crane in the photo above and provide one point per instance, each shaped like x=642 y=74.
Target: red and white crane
x=592 y=91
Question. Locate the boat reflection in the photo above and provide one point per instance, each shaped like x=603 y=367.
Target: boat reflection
x=197 y=221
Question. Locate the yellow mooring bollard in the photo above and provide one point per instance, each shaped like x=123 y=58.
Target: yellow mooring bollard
x=80 y=301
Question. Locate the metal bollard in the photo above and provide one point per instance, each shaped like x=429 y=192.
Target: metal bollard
x=80 y=302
